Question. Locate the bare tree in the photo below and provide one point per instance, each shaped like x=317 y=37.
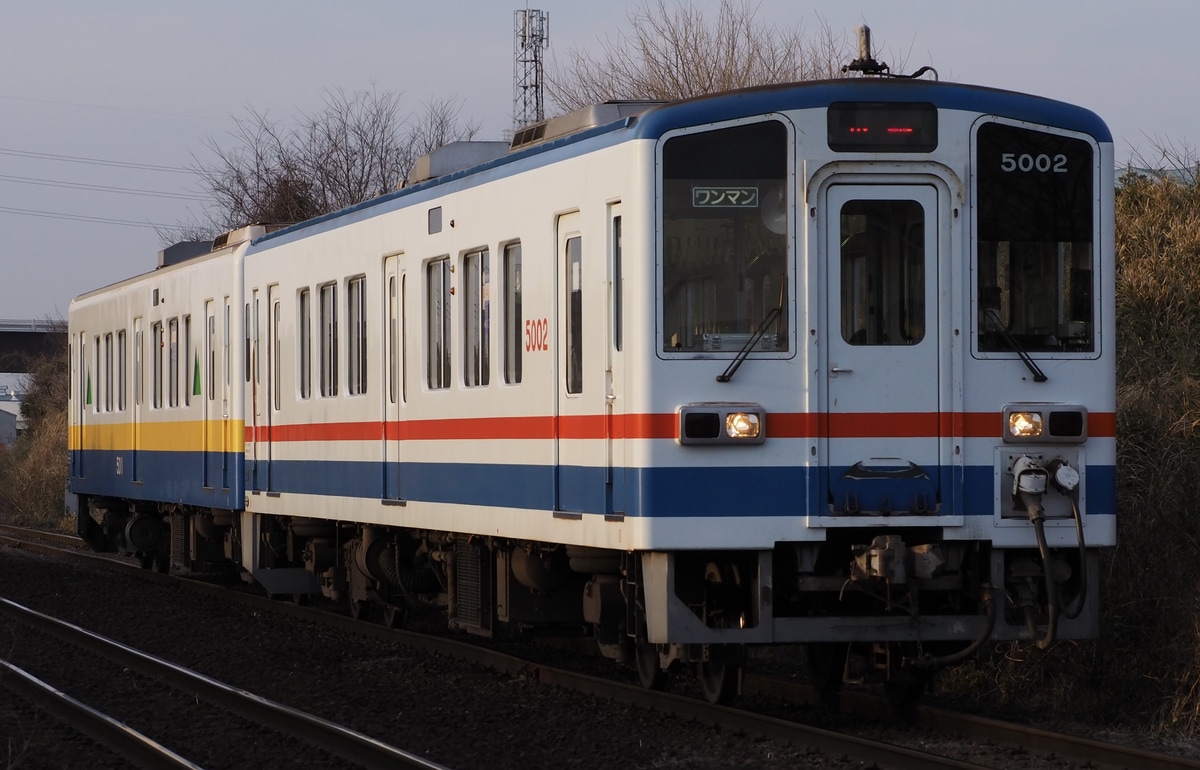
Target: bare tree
x=674 y=52
x=356 y=148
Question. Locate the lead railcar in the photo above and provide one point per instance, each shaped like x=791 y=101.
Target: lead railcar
x=827 y=363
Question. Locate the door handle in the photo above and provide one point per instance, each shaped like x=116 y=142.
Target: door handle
x=836 y=370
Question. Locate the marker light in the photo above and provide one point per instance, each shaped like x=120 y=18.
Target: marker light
x=742 y=425
x=1025 y=424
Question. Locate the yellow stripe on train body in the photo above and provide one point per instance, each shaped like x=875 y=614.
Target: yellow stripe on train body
x=173 y=436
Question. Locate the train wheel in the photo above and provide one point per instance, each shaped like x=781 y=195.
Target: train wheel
x=720 y=676
x=650 y=673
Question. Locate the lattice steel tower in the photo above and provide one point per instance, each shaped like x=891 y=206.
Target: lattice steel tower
x=531 y=34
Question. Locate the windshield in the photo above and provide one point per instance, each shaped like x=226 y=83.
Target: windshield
x=725 y=220
x=1035 y=223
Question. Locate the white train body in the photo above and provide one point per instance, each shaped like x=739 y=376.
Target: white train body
x=809 y=363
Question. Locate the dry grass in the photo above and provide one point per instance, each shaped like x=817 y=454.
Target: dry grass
x=1144 y=671
x=33 y=472
x=34 y=476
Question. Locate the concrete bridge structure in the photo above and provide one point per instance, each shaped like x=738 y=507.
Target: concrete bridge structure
x=23 y=341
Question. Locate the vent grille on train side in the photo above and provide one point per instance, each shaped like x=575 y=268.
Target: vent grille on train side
x=472 y=587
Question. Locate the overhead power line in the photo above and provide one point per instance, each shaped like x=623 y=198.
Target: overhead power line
x=103 y=188
x=84 y=218
x=96 y=161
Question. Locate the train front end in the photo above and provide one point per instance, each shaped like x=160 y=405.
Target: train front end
x=884 y=335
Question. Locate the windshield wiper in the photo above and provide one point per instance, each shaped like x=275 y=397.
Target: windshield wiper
x=771 y=315
x=1038 y=374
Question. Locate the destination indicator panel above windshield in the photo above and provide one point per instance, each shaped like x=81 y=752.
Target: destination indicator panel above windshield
x=882 y=127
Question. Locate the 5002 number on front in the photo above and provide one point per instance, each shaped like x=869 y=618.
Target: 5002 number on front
x=1028 y=163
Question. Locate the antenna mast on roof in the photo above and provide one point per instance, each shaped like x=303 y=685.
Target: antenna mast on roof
x=531 y=34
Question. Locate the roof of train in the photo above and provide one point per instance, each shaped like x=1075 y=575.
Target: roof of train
x=658 y=119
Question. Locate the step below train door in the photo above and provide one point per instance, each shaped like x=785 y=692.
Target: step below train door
x=884 y=380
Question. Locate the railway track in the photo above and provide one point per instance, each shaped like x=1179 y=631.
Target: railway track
x=293 y=725
x=969 y=729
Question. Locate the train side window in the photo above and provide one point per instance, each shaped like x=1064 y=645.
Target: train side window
x=156 y=357
x=476 y=320
x=210 y=353
x=617 y=282
x=246 y=334
x=122 y=363
x=139 y=397
x=191 y=372
x=227 y=345
x=574 y=329
x=393 y=341
x=305 y=337
x=725 y=203
x=108 y=372
x=1035 y=221
x=404 y=338
x=99 y=375
x=328 y=358
x=512 y=313
x=275 y=355
x=356 y=320
x=173 y=362
x=437 y=287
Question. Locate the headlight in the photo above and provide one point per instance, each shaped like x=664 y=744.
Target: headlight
x=742 y=425
x=1024 y=424
x=722 y=423
x=1029 y=423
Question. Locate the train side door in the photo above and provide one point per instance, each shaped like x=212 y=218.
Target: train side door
x=614 y=481
x=253 y=388
x=884 y=399
x=273 y=393
x=212 y=422
x=226 y=379
x=139 y=380
x=392 y=372
x=83 y=397
x=581 y=465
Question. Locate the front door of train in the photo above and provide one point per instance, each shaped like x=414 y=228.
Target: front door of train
x=882 y=248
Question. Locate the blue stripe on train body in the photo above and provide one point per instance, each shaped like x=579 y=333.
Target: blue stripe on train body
x=661 y=492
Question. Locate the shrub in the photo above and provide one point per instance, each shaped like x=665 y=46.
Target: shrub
x=33 y=472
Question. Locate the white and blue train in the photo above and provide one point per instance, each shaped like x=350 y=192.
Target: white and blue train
x=827 y=363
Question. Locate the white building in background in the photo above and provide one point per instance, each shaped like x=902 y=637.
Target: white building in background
x=11 y=421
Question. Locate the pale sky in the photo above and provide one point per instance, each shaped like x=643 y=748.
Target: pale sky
x=93 y=91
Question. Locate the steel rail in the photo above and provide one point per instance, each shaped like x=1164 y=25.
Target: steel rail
x=1099 y=753
x=62 y=538
x=1079 y=749
x=794 y=733
x=335 y=738
x=100 y=727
